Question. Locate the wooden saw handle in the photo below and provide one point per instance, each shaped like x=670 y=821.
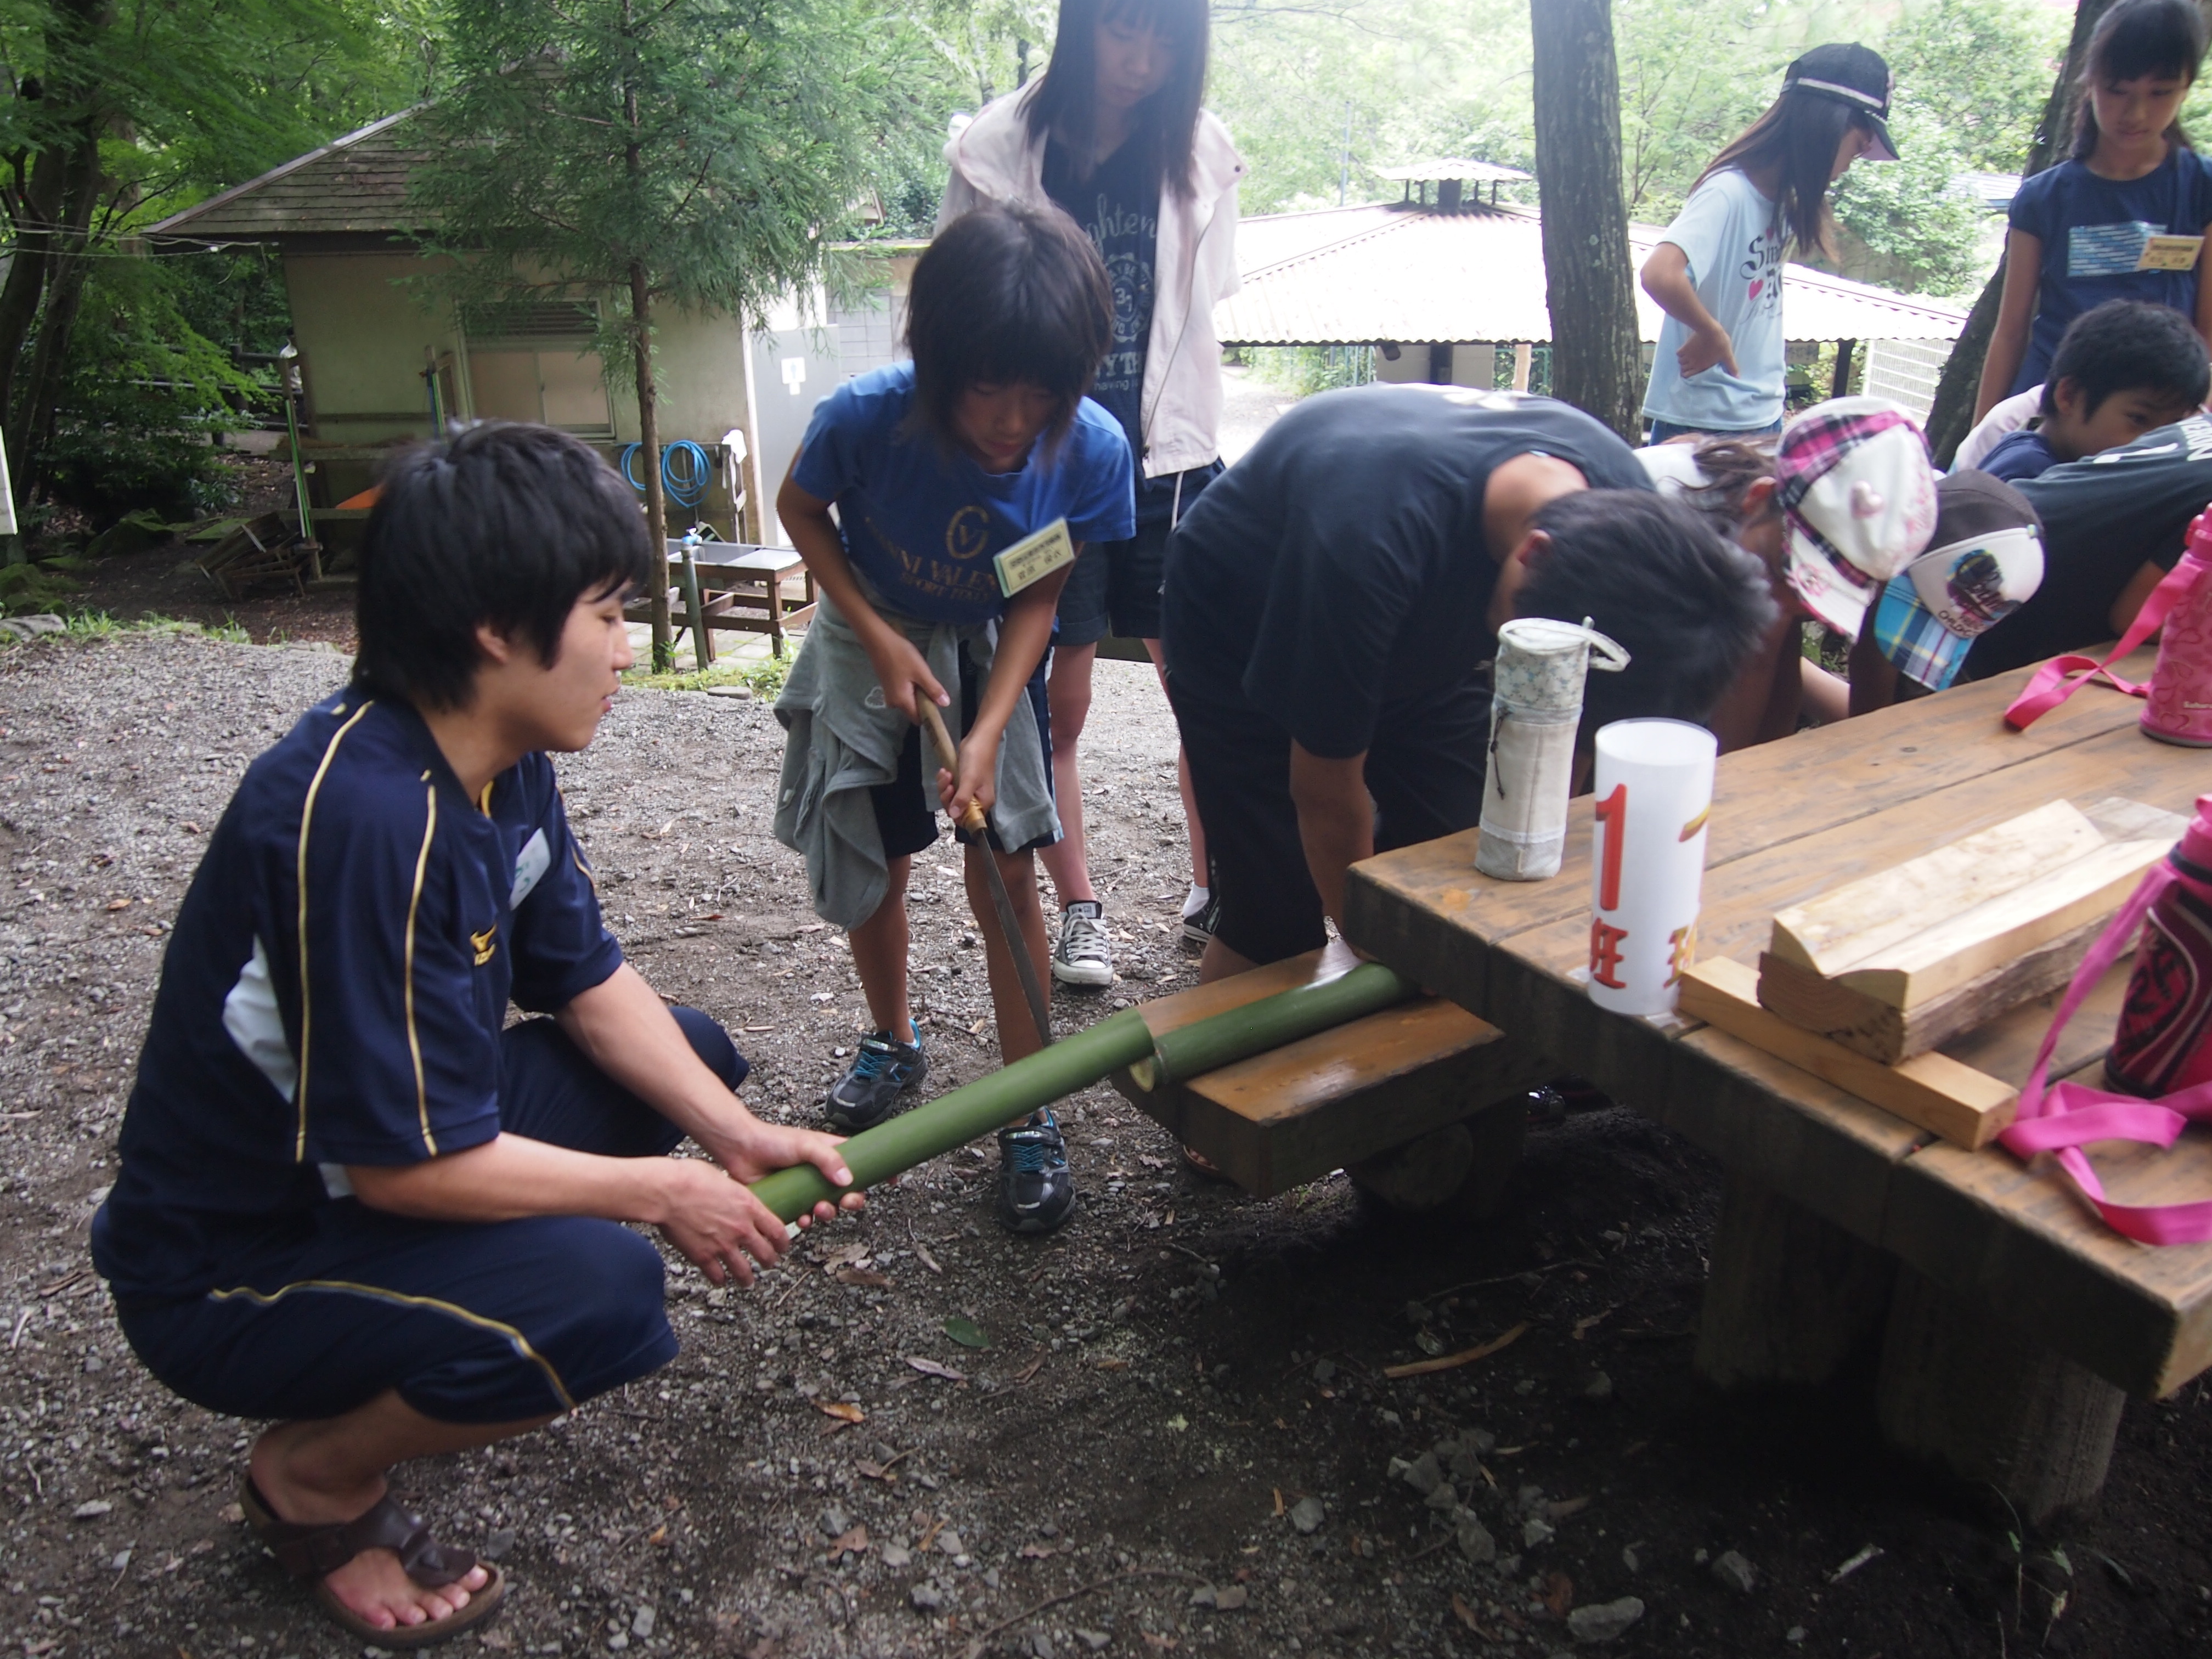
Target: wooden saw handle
x=947 y=756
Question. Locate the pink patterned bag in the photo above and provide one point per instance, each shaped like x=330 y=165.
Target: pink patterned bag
x=2163 y=1046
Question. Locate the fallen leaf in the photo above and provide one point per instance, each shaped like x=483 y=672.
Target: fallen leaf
x=874 y=1281
x=1559 y=1594
x=855 y=1541
x=843 y=1410
x=921 y=1255
x=1279 y=1509
x=1465 y=1615
x=933 y=1368
x=1583 y=1325
x=966 y=1331
x=659 y=1536
x=852 y=1255
x=1465 y=1357
x=1030 y=1370
x=1113 y=1364
x=1229 y=1600
x=1561 y=1509
x=1152 y=1162
x=1036 y=1551
x=1165 y=1643
x=118 y=904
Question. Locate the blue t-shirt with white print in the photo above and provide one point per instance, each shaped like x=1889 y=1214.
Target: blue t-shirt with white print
x=922 y=524
x=2093 y=232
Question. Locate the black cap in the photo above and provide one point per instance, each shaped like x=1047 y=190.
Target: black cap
x=1850 y=74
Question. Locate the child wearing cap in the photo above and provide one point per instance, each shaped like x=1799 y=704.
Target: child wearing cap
x=1717 y=272
x=2122 y=369
x=1984 y=562
x=2124 y=217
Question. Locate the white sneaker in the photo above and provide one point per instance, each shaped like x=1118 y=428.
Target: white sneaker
x=1083 y=955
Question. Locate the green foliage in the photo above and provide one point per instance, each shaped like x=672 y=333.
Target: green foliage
x=1304 y=370
x=36 y=588
x=763 y=676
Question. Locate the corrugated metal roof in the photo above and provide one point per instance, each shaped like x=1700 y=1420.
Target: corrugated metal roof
x=1348 y=275
x=357 y=183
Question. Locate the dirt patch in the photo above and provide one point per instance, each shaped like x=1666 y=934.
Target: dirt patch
x=1167 y=1380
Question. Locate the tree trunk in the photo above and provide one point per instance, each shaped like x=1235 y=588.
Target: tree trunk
x=40 y=395
x=1951 y=416
x=648 y=459
x=1595 y=365
x=39 y=212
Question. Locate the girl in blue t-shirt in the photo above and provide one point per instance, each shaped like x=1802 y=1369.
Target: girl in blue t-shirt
x=2124 y=216
x=934 y=467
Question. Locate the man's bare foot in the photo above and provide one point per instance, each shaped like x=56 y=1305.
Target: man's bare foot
x=373 y=1585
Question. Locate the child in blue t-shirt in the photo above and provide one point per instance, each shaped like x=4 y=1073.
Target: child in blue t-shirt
x=2124 y=216
x=2123 y=369
x=934 y=467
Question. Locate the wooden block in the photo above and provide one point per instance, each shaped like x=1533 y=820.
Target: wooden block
x=1888 y=1035
x=1940 y=921
x=1933 y=1090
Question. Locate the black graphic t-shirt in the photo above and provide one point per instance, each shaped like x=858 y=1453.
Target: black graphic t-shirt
x=1119 y=208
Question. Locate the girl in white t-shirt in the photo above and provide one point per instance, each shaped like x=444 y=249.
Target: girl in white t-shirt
x=1717 y=273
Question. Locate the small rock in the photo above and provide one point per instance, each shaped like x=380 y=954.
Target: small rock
x=1465 y=1464
x=991 y=1578
x=1422 y=1474
x=742 y=694
x=1096 y=1640
x=99 y=1506
x=1529 y=1500
x=640 y=1623
x=1324 y=1371
x=1525 y=1387
x=1736 y=1573
x=924 y=1597
x=496 y=1547
x=835 y=1523
x=1041 y=1646
x=1629 y=1560
x=1702 y=1556
x=1307 y=1513
x=896 y=1555
x=1229 y=1600
x=1602 y=1621
x=1418 y=1313
x=949 y=1542
x=1795 y=1634
x=1536 y=1530
x=1202 y=1597
x=1597 y=1387
x=121 y=1562
x=94 y=1364
x=616 y=1643
x=1443 y=1498
x=1474 y=1539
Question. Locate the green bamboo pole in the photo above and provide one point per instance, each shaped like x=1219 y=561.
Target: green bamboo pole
x=1078 y=1061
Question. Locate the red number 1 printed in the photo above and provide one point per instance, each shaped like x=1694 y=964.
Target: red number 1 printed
x=1612 y=812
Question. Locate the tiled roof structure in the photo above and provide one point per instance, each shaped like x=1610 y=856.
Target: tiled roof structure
x=353 y=185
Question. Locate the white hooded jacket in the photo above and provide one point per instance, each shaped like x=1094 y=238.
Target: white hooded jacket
x=994 y=158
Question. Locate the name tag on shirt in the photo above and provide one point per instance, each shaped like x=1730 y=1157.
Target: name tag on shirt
x=2170 y=253
x=1033 y=558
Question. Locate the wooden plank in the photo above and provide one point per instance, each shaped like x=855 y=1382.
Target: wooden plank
x=2018 y=1237
x=1776 y=793
x=1932 y=1090
x=1890 y=1035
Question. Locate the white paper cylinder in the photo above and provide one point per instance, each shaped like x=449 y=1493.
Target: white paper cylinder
x=1536 y=710
x=1654 y=791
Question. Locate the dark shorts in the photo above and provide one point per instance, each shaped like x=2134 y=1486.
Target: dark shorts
x=471 y=1322
x=1114 y=588
x=1425 y=771
x=907 y=825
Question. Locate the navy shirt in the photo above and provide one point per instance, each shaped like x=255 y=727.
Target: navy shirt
x=335 y=988
x=2092 y=233
x=923 y=525
x=2104 y=517
x=1342 y=564
x=2018 y=455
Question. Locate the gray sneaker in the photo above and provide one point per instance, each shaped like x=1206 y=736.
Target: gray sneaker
x=1084 y=956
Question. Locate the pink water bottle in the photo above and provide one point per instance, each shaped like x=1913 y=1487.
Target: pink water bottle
x=2164 y=1042
x=2177 y=706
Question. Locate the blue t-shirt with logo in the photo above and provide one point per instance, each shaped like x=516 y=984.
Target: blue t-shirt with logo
x=923 y=524
x=334 y=992
x=1732 y=240
x=2093 y=232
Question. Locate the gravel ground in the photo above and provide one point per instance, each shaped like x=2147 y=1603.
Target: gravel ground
x=1179 y=1437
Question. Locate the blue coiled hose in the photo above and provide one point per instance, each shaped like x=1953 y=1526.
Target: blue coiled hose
x=685 y=485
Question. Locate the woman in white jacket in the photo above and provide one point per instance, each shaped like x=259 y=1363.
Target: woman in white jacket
x=1113 y=135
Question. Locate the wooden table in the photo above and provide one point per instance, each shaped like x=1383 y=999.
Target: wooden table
x=742 y=589
x=2012 y=1317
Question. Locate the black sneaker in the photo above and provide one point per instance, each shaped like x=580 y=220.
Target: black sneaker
x=1198 y=928
x=883 y=1069
x=1036 y=1191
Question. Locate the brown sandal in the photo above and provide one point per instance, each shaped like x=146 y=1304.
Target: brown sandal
x=315 y=1552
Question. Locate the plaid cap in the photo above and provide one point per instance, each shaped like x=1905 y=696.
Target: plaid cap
x=1858 y=495
x=1987 y=561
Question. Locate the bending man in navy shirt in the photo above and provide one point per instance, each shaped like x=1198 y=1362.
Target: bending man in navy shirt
x=349 y=1199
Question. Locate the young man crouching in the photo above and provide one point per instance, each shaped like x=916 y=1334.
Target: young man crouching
x=349 y=1199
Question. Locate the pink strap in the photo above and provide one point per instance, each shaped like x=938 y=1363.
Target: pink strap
x=2052 y=683
x=2071 y=1115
